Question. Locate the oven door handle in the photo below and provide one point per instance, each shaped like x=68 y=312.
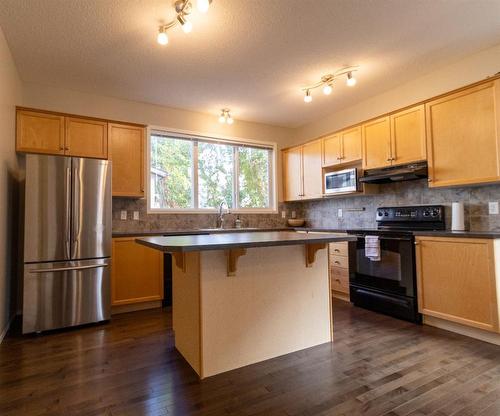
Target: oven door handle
x=387 y=238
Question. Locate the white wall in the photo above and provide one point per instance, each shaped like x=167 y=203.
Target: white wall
x=466 y=71
x=10 y=95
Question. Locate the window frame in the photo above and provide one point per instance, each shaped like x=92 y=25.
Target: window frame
x=235 y=142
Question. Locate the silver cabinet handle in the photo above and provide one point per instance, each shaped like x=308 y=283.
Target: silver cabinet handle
x=64 y=269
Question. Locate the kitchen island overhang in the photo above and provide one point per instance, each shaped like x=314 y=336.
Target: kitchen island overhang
x=242 y=298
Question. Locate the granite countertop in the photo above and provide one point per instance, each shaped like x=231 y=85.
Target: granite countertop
x=221 y=241
x=196 y=231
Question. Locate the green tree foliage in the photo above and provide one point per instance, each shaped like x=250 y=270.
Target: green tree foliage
x=172 y=167
x=215 y=174
x=174 y=158
x=254 y=177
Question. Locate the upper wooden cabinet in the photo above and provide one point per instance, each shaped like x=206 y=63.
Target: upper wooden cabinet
x=312 y=174
x=43 y=132
x=456 y=280
x=126 y=150
x=377 y=143
x=332 y=150
x=86 y=138
x=302 y=174
x=39 y=133
x=395 y=139
x=408 y=136
x=463 y=136
x=342 y=147
x=292 y=173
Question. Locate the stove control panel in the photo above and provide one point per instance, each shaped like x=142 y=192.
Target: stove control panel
x=424 y=213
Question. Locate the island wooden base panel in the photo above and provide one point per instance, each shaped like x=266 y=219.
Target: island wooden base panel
x=272 y=305
x=376 y=365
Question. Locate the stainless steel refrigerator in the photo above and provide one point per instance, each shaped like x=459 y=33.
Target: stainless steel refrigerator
x=67 y=242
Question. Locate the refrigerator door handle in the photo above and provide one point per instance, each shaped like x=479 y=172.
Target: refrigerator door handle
x=67 y=219
x=64 y=269
x=77 y=201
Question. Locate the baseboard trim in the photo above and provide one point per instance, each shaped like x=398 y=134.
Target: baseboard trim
x=468 y=331
x=132 y=307
x=7 y=327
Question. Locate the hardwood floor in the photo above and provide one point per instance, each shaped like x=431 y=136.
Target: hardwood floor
x=376 y=366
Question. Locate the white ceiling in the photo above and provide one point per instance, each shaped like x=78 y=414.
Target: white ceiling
x=252 y=56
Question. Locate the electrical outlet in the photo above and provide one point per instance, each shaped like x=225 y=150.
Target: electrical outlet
x=283 y=214
x=493 y=207
x=123 y=214
x=136 y=215
x=340 y=213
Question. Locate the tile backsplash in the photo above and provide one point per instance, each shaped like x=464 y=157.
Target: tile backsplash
x=323 y=213
x=159 y=222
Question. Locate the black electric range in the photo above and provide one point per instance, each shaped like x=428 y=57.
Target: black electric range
x=389 y=285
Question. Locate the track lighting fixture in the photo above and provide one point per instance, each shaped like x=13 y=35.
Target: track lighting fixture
x=183 y=8
x=327 y=82
x=225 y=116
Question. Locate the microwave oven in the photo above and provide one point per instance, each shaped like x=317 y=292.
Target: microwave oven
x=341 y=181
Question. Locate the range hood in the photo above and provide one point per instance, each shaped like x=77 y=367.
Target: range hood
x=399 y=173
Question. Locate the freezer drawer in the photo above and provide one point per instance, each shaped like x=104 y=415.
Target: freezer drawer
x=62 y=294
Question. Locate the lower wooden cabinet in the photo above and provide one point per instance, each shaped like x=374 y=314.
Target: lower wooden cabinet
x=339 y=270
x=456 y=280
x=137 y=272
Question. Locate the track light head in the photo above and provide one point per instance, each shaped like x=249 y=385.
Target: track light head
x=308 y=97
x=327 y=89
x=351 y=81
x=186 y=25
x=162 y=37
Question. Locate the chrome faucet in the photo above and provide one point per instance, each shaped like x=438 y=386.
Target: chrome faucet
x=220 y=218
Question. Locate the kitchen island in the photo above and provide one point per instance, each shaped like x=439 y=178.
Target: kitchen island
x=241 y=298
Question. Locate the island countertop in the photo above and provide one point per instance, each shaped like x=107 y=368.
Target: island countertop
x=223 y=241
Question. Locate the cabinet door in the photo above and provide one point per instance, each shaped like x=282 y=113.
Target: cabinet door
x=137 y=272
x=39 y=133
x=86 y=138
x=377 y=143
x=292 y=174
x=408 y=135
x=312 y=173
x=351 y=145
x=462 y=136
x=332 y=150
x=126 y=150
x=456 y=281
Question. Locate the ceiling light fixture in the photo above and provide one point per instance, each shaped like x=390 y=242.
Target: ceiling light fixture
x=327 y=82
x=225 y=116
x=183 y=8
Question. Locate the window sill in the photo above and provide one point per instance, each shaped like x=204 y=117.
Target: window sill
x=212 y=211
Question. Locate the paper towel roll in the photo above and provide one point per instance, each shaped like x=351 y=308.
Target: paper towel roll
x=457 y=216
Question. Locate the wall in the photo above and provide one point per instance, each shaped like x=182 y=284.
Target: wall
x=324 y=213
x=466 y=71
x=10 y=95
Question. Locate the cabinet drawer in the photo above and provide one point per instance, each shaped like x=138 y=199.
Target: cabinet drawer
x=339 y=280
x=339 y=261
x=339 y=249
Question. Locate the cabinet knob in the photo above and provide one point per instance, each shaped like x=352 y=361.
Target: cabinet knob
x=336 y=250
x=429 y=180
x=336 y=262
x=66 y=148
x=388 y=159
x=61 y=147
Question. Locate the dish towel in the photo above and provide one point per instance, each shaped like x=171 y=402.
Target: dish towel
x=372 y=247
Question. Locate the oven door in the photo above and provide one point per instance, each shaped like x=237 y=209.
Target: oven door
x=341 y=181
x=394 y=273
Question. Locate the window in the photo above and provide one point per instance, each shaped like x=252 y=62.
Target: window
x=197 y=174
